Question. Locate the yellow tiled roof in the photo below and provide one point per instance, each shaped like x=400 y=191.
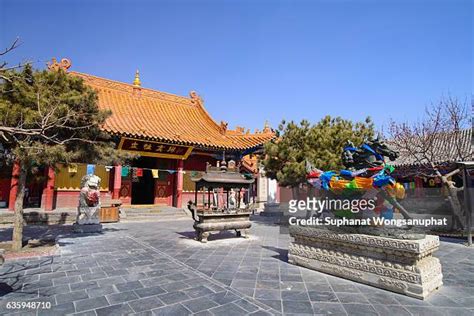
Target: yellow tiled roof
x=149 y=114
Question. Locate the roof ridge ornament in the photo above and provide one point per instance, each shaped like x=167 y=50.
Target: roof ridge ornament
x=223 y=127
x=240 y=130
x=54 y=65
x=266 y=128
x=195 y=97
x=136 y=81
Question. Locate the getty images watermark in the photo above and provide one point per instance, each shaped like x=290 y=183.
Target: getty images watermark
x=369 y=206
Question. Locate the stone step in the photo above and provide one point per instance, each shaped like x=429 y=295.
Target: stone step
x=145 y=211
x=153 y=214
x=68 y=216
x=40 y=217
x=151 y=219
x=153 y=210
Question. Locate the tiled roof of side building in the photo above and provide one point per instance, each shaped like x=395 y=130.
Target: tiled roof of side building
x=154 y=115
x=447 y=147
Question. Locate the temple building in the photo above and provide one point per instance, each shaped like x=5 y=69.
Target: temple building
x=424 y=190
x=173 y=136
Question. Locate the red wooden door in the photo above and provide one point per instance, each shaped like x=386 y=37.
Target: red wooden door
x=164 y=189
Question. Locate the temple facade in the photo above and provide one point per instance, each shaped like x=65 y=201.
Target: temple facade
x=173 y=137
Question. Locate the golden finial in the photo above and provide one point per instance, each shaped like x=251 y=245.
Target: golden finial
x=136 y=81
x=266 y=127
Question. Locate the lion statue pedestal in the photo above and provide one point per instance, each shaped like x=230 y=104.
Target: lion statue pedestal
x=87 y=220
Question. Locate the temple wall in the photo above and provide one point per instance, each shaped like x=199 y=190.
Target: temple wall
x=67 y=183
x=70 y=199
x=193 y=163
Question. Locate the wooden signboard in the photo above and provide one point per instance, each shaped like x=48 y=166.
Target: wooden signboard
x=154 y=149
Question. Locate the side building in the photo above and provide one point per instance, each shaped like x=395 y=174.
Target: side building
x=173 y=136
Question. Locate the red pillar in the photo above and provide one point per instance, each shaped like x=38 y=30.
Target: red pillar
x=117 y=182
x=48 y=191
x=179 y=184
x=14 y=186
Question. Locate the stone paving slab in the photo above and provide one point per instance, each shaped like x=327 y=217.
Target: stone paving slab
x=156 y=268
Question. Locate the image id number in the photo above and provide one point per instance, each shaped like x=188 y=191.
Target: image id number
x=28 y=305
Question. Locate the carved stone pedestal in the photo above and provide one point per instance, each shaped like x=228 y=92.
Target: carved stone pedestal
x=272 y=209
x=87 y=228
x=398 y=265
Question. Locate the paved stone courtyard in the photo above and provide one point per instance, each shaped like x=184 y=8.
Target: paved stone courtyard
x=155 y=268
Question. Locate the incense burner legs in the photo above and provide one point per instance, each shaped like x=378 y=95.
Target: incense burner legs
x=245 y=231
x=202 y=236
x=399 y=265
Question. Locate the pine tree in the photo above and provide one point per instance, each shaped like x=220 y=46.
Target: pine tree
x=49 y=117
x=321 y=144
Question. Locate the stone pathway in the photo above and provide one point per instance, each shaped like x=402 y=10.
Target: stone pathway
x=155 y=268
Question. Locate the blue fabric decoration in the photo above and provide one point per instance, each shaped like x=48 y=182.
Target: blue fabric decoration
x=349 y=148
x=90 y=169
x=369 y=149
x=387 y=213
x=325 y=178
x=381 y=180
x=346 y=173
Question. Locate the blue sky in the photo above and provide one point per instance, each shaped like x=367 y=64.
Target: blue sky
x=261 y=60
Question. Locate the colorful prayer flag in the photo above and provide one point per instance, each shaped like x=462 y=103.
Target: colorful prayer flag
x=90 y=169
x=139 y=172
x=72 y=168
x=134 y=175
x=125 y=171
x=154 y=172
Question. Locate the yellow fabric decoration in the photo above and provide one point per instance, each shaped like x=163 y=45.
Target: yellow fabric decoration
x=72 y=168
x=397 y=190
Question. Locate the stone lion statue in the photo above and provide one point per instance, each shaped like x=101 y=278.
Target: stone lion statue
x=89 y=200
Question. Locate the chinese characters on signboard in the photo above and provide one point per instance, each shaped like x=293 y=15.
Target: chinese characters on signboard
x=154 y=149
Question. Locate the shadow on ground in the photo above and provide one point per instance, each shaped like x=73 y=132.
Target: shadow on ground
x=191 y=235
x=280 y=253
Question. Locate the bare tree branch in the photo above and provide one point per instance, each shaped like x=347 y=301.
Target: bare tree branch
x=14 y=45
x=435 y=140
